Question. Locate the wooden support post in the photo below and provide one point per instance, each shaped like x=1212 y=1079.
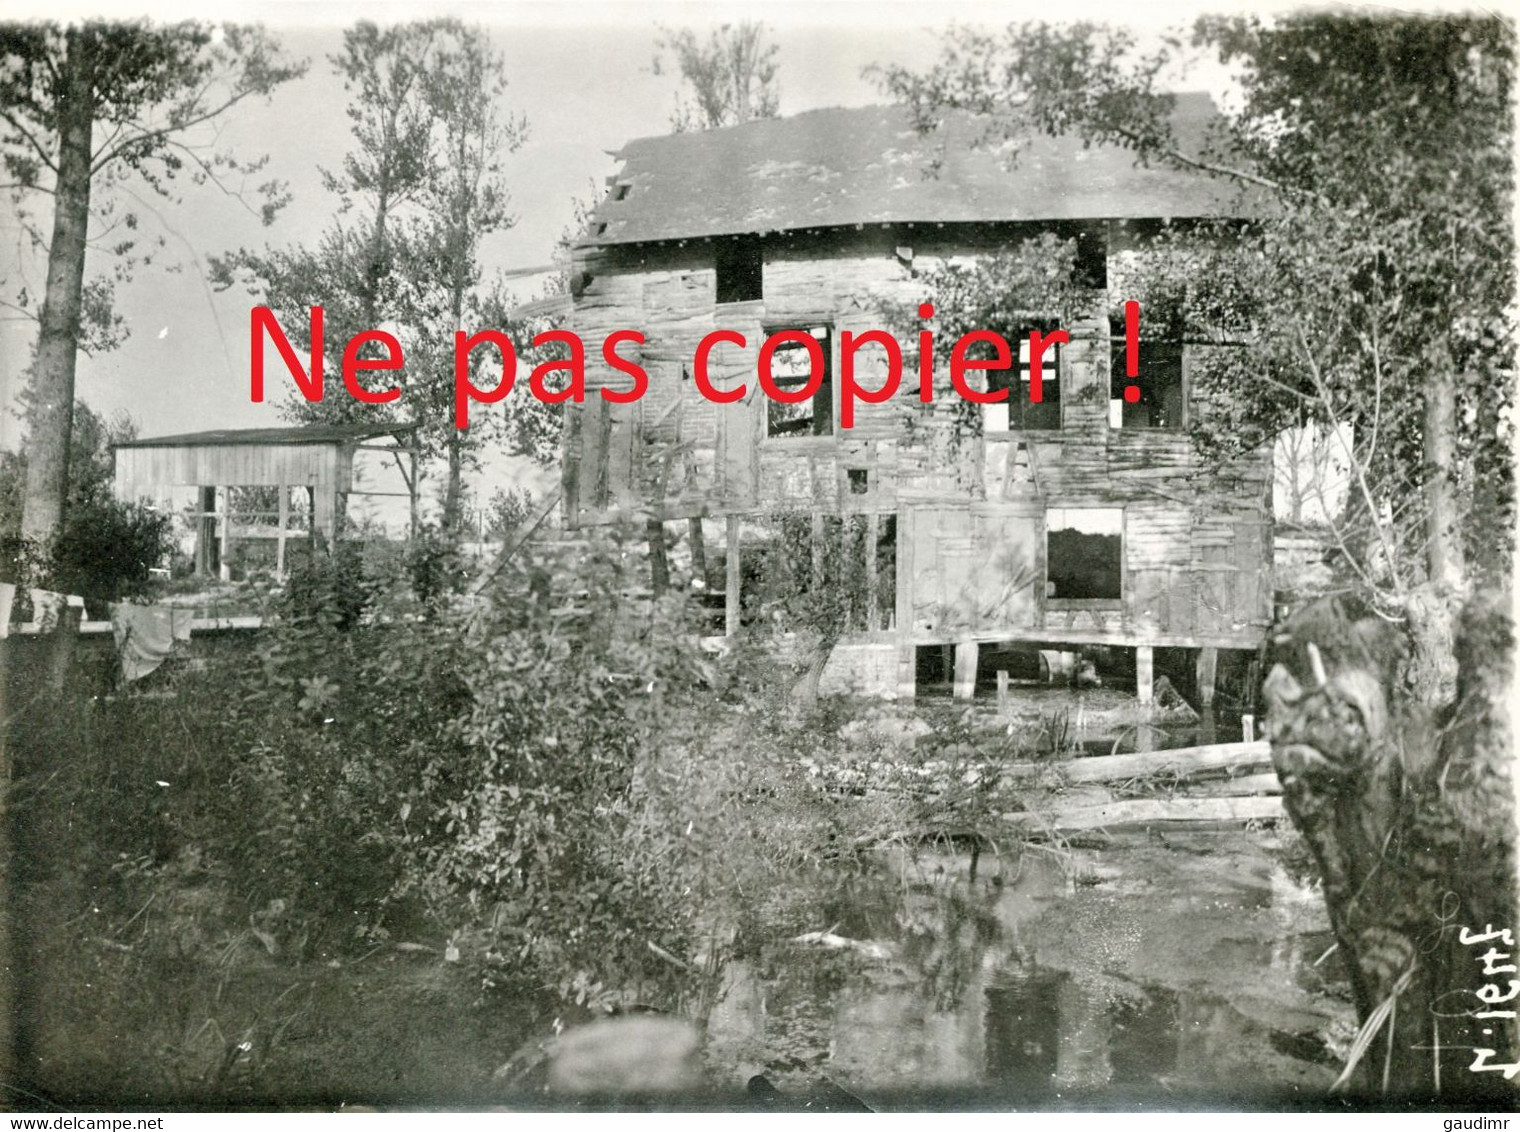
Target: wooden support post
x=659 y=565
x=731 y=585
x=873 y=587
x=1208 y=667
x=224 y=554
x=698 y=549
x=205 y=531
x=965 y=670
x=1002 y=693
x=284 y=520
x=947 y=664
x=1145 y=674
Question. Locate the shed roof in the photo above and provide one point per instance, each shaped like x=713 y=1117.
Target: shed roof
x=295 y=434
x=870 y=165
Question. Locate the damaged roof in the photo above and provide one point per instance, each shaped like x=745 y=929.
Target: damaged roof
x=870 y=166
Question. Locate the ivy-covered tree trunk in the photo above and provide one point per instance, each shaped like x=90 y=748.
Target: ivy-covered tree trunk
x=1442 y=511
x=47 y=467
x=1409 y=811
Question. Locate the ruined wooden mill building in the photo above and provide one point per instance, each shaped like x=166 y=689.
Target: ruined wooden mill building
x=1082 y=522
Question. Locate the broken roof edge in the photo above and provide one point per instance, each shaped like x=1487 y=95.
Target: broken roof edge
x=336 y=434
x=596 y=243
x=851 y=167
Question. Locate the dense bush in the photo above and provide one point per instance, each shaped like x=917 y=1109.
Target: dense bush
x=394 y=766
x=434 y=565
x=105 y=549
x=537 y=789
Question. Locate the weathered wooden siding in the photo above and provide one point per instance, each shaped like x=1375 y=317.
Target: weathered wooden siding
x=139 y=470
x=1196 y=544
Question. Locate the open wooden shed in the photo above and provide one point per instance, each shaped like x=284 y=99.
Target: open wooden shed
x=318 y=458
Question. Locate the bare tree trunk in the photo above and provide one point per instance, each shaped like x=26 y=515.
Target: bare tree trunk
x=453 y=490
x=804 y=693
x=47 y=465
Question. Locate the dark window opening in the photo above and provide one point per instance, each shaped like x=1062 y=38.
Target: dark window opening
x=791 y=368
x=860 y=481
x=740 y=269
x=1091 y=267
x=621 y=192
x=1084 y=554
x=1019 y=412
x=1162 y=401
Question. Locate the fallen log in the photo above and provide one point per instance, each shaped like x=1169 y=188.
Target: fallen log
x=1137 y=811
x=1241 y=786
x=1182 y=762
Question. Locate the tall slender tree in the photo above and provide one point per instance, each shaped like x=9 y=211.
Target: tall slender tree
x=84 y=106
x=419 y=192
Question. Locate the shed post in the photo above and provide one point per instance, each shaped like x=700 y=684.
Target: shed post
x=283 y=520
x=205 y=503
x=224 y=570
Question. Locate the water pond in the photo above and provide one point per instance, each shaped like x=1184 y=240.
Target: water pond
x=1161 y=965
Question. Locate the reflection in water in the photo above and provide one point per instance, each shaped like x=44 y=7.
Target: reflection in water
x=1181 y=967
x=1023 y=1030
x=1143 y=1038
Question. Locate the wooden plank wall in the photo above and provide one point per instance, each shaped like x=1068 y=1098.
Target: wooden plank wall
x=140 y=471
x=1197 y=542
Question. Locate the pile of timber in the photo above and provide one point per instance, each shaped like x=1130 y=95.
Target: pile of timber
x=1218 y=782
